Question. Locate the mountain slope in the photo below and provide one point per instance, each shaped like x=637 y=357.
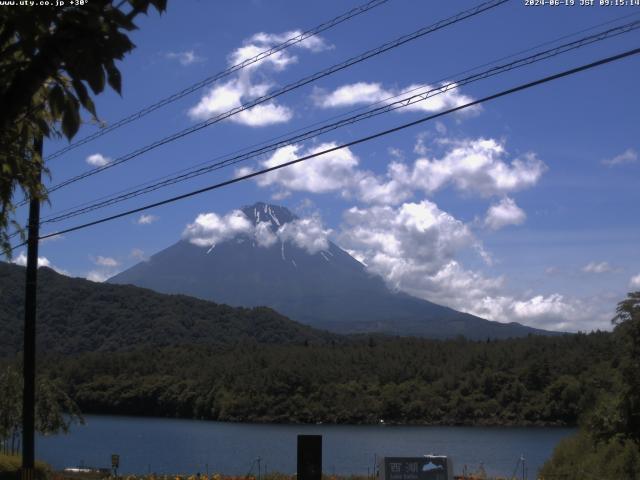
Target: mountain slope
x=76 y=315
x=327 y=289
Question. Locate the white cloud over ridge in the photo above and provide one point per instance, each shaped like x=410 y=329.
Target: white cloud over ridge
x=106 y=268
x=553 y=311
x=21 y=260
x=242 y=88
x=137 y=254
x=414 y=248
x=504 y=213
x=98 y=276
x=306 y=233
x=210 y=229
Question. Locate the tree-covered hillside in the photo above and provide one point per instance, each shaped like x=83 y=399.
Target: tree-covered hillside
x=530 y=381
x=76 y=315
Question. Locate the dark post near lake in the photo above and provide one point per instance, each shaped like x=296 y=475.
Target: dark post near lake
x=309 y=457
x=29 y=361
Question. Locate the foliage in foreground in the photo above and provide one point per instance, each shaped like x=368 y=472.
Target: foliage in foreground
x=54 y=410
x=49 y=60
x=608 y=443
x=579 y=457
x=10 y=467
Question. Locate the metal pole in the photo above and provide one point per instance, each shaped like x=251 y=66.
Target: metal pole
x=29 y=368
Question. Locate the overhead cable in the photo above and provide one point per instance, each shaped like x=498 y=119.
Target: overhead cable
x=368 y=138
x=296 y=39
x=292 y=86
x=391 y=106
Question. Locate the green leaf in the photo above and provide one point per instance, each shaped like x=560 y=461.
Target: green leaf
x=83 y=96
x=95 y=77
x=56 y=100
x=113 y=76
x=71 y=117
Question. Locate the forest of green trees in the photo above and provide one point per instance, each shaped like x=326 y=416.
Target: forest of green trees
x=529 y=381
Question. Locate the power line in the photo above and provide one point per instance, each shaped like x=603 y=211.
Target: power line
x=214 y=78
x=477 y=67
x=503 y=93
x=402 y=103
x=131 y=190
x=292 y=86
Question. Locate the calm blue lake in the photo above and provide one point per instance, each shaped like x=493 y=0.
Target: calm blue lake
x=189 y=446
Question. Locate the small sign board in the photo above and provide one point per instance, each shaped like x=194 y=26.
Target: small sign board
x=115 y=461
x=429 y=467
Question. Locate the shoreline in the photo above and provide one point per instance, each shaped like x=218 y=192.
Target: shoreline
x=346 y=424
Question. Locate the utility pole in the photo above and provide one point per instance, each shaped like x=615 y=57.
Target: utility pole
x=29 y=350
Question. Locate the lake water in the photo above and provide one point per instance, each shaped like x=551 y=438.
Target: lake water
x=189 y=446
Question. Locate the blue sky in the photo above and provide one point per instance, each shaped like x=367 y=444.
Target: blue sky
x=520 y=210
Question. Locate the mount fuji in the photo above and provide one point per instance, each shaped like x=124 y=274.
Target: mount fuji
x=262 y=262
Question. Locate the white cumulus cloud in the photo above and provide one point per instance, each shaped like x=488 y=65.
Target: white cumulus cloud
x=477 y=166
x=98 y=276
x=333 y=172
x=367 y=93
x=145 y=219
x=106 y=261
x=242 y=88
x=188 y=57
x=98 y=160
x=553 y=311
x=597 y=267
x=306 y=233
x=233 y=94
x=635 y=281
x=630 y=155
x=137 y=254
x=209 y=229
x=21 y=260
x=329 y=172
x=414 y=247
x=407 y=245
x=265 y=237
x=504 y=213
